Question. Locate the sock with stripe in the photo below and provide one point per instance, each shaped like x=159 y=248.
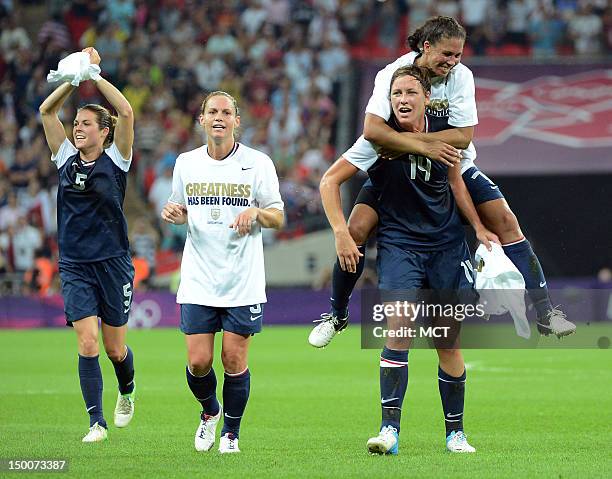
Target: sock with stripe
x=204 y=388
x=236 y=389
x=452 y=393
x=90 y=377
x=124 y=370
x=343 y=284
x=393 y=385
x=526 y=261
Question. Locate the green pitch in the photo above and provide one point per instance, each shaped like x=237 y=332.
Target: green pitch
x=529 y=413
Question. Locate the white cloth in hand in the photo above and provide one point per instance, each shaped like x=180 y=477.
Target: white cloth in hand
x=501 y=286
x=75 y=68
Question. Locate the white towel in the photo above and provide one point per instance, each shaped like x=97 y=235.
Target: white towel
x=501 y=286
x=75 y=68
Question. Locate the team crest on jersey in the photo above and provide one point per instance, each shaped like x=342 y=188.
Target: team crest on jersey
x=215 y=213
x=438 y=107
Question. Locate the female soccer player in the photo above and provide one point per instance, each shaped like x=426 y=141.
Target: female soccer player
x=419 y=247
x=94 y=261
x=225 y=192
x=437 y=47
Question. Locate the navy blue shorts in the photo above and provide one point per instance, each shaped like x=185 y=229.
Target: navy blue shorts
x=102 y=288
x=199 y=319
x=480 y=186
x=403 y=274
x=368 y=195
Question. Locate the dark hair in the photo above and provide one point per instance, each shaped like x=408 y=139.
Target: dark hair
x=220 y=93
x=413 y=71
x=104 y=119
x=433 y=30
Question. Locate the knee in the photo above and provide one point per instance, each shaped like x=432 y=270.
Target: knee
x=359 y=231
x=200 y=364
x=115 y=353
x=233 y=361
x=88 y=346
x=452 y=356
x=507 y=226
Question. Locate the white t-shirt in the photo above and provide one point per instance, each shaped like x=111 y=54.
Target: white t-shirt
x=452 y=96
x=220 y=268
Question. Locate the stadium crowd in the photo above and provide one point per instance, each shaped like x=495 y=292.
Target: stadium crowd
x=282 y=59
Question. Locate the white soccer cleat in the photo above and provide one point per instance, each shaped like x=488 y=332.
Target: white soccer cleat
x=329 y=325
x=556 y=322
x=228 y=444
x=205 y=433
x=96 y=433
x=387 y=442
x=457 y=442
x=124 y=409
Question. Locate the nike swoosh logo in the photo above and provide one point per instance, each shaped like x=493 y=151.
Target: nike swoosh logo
x=494 y=187
x=454 y=415
x=244 y=169
x=90 y=408
x=542 y=284
x=385 y=401
x=253 y=318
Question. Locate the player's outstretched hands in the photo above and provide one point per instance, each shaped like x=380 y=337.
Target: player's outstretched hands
x=487 y=237
x=244 y=221
x=347 y=252
x=94 y=56
x=446 y=154
x=174 y=213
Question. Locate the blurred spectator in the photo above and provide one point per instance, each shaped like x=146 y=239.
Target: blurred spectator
x=26 y=240
x=161 y=190
x=585 y=29
x=13 y=38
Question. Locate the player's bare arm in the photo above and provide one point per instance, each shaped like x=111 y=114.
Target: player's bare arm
x=266 y=217
x=346 y=249
x=54 y=129
x=174 y=213
x=124 y=130
x=468 y=210
x=376 y=130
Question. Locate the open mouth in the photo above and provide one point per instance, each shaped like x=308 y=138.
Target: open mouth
x=79 y=137
x=404 y=110
x=218 y=127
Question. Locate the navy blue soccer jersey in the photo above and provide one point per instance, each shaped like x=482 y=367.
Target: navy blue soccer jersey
x=416 y=206
x=91 y=225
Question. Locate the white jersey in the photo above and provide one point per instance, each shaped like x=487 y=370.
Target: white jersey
x=452 y=96
x=220 y=268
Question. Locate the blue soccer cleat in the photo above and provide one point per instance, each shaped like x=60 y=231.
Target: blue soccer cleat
x=386 y=442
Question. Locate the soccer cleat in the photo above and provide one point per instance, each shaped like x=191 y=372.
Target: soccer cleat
x=456 y=441
x=205 y=433
x=228 y=444
x=329 y=325
x=96 y=433
x=386 y=442
x=124 y=409
x=555 y=322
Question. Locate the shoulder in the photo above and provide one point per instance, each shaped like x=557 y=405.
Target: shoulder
x=191 y=156
x=248 y=156
x=460 y=75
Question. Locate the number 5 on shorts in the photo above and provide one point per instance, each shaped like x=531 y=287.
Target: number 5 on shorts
x=127 y=293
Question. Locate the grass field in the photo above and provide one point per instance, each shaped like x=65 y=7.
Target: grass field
x=530 y=413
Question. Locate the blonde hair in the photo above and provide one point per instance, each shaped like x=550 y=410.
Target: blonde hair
x=220 y=93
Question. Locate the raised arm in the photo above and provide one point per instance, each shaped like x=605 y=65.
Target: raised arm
x=467 y=208
x=124 y=130
x=55 y=133
x=346 y=249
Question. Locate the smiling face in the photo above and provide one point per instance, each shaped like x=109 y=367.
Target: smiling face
x=219 y=119
x=408 y=100
x=86 y=130
x=440 y=58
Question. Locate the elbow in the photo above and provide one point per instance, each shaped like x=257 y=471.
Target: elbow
x=369 y=134
x=126 y=111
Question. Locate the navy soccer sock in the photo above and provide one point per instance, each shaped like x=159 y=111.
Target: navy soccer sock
x=204 y=388
x=90 y=377
x=343 y=284
x=124 y=370
x=393 y=385
x=236 y=389
x=452 y=393
x=526 y=261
